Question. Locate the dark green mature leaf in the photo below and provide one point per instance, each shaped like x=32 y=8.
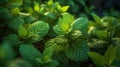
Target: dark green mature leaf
x=29 y=19
x=37 y=30
x=57 y=30
x=80 y=24
x=30 y=54
x=50 y=15
x=4 y=14
x=110 y=55
x=98 y=59
x=14 y=23
x=11 y=39
x=77 y=51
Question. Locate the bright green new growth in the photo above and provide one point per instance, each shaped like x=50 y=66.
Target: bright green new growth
x=22 y=32
x=64 y=24
x=67 y=23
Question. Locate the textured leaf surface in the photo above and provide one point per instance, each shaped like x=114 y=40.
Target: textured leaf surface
x=57 y=44
x=78 y=51
x=37 y=30
x=80 y=24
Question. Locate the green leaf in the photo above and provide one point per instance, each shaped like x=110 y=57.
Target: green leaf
x=11 y=39
x=47 y=55
x=14 y=23
x=64 y=8
x=96 y=18
x=50 y=15
x=98 y=59
x=5 y=14
x=57 y=30
x=101 y=33
x=22 y=32
x=29 y=19
x=57 y=44
x=36 y=6
x=77 y=51
x=65 y=22
x=30 y=54
x=110 y=55
x=80 y=24
x=37 y=30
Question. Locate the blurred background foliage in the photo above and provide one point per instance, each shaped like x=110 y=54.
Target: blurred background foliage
x=86 y=7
